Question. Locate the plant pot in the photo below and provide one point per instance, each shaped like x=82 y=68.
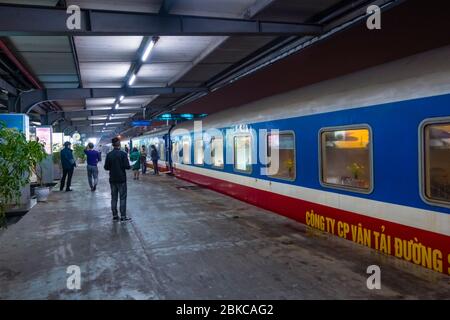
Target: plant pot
x=42 y=193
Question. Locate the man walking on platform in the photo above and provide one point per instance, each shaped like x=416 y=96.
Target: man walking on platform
x=93 y=157
x=116 y=163
x=68 y=164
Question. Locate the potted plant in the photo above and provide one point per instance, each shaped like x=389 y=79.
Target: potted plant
x=78 y=151
x=356 y=170
x=18 y=157
x=290 y=167
x=41 y=191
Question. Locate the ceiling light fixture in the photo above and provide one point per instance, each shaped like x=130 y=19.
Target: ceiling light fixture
x=132 y=80
x=121 y=98
x=116 y=106
x=148 y=50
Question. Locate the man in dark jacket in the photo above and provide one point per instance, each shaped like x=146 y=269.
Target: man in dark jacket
x=116 y=163
x=155 y=157
x=68 y=164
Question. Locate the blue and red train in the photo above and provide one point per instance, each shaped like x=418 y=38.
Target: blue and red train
x=365 y=157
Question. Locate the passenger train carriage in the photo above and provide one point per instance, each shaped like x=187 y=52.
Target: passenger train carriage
x=365 y=157
x=160 y=139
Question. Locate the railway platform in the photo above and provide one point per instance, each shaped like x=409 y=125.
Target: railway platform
x=186 y=242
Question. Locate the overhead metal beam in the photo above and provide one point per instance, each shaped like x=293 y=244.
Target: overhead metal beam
x=7 y=87
x=30 y=99
x=88 y=123
x=69 y=127
x=28 y=20
x=166 y=5
x=93 y=113
x=52 y=117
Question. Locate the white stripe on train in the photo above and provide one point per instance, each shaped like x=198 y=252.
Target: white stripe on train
x=409 y=216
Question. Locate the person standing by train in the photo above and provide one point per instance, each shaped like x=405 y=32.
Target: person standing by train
x=143 y=160
x=116 y=163
x=135 y=158
x=68 y=164
x=155 y=157
x=93 y=158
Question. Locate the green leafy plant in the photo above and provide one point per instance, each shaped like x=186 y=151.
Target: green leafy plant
x=290 y=165
x=18 y=158
x=356 y=169
x=78 y=151
x=57 y=154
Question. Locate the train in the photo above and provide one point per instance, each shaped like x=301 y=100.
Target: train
x=364 y=157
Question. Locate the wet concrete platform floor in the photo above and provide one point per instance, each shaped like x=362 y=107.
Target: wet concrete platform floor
x=189 y=243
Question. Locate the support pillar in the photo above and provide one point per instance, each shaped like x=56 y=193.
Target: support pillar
x=12 y=104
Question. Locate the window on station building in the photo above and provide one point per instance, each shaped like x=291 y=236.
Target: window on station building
x=284 y=166
x=186 y=151
x=242 y=154
x=346 y=158
x=437 y=162
x=217 y=152
x=199 y=152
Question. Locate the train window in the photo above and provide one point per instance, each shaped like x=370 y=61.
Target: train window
x=242 y=154
x=436 y=146
x=346 y=158
x=176 y=152
x=186 y=151
x=156 y=144
x=199 y=152
x=162 y=150
x=217 y=152
x=285 y=143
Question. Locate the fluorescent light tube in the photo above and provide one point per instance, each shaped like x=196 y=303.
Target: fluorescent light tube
x=148 y=50
x=132 y=80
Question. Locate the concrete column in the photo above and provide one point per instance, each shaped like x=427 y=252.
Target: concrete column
x=12 y=104
x=44 y=120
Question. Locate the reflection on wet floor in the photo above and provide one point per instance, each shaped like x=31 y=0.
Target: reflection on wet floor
x=187 y=242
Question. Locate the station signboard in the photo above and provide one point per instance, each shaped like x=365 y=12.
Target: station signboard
x=141 y=123
x=17 y=120
x=44 y=134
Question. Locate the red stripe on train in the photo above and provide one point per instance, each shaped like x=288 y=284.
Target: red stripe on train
x=297 y=209
x=161 y=168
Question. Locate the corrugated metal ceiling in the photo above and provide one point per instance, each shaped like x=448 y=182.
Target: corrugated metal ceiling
x=50 y=59
x=177 y=61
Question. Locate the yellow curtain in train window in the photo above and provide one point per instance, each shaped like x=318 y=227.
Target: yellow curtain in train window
x=351 y=139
